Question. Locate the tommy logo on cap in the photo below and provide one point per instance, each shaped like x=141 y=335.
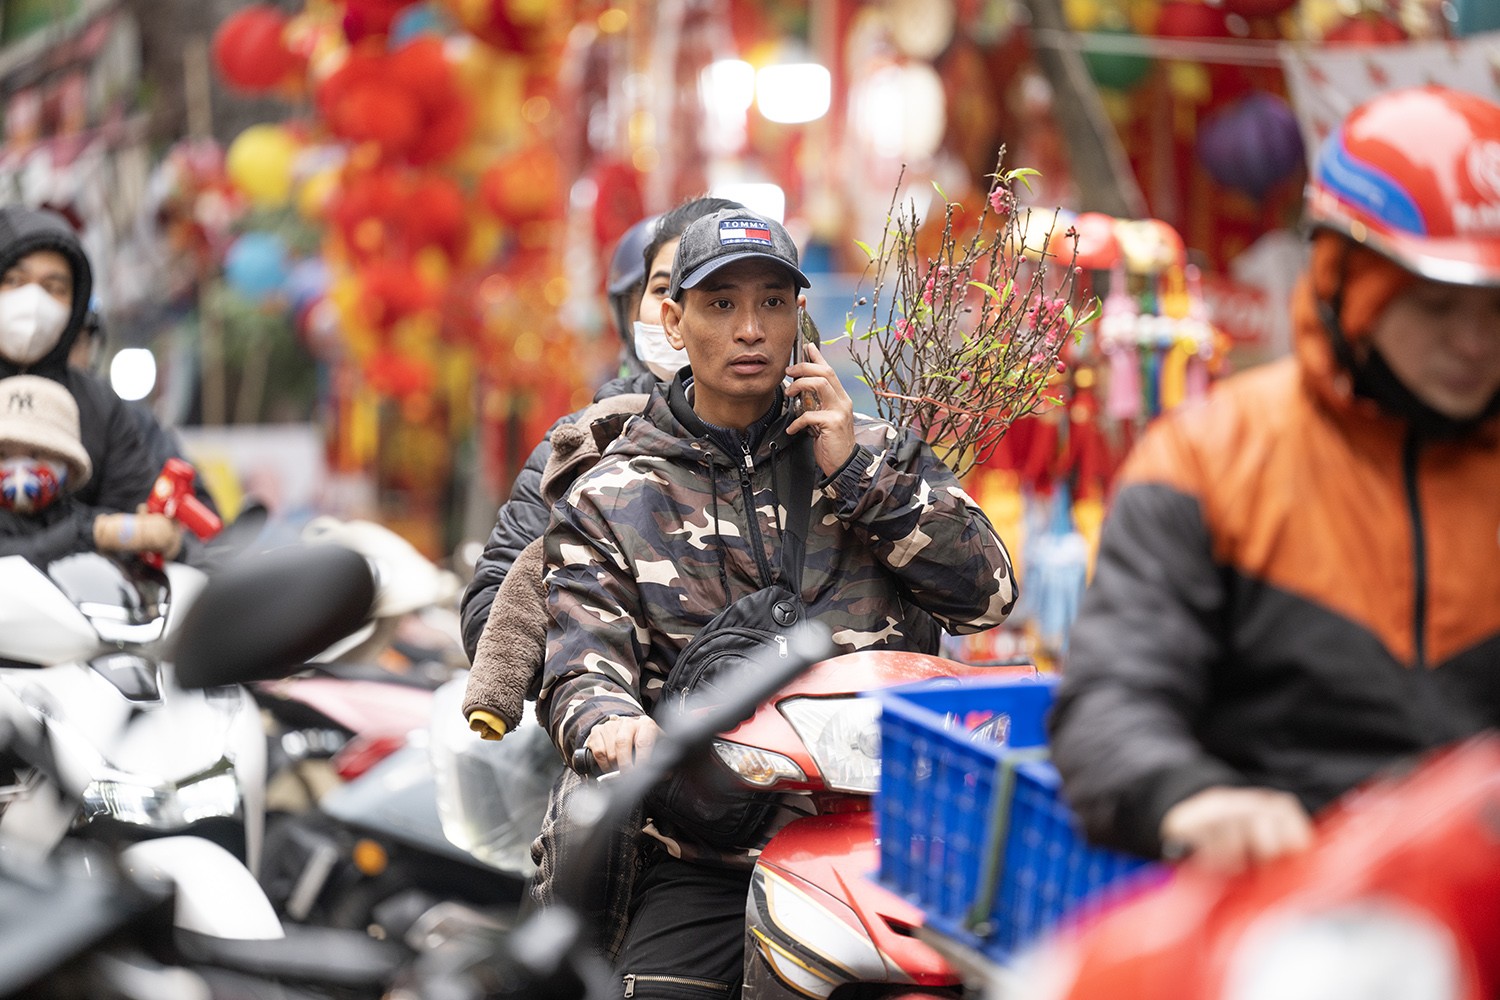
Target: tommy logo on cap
x=744 y=231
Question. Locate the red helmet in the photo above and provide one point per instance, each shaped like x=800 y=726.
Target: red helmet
x=1415 y=175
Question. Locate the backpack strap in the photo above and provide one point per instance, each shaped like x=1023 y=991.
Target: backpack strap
x=794 y=488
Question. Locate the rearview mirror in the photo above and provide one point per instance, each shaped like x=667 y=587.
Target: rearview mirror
x=264 y=615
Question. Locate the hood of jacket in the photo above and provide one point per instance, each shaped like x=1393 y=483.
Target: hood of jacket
x=1358 y=284
x=25 y=230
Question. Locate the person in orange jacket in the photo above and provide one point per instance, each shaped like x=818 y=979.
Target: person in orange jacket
x=1298 y=581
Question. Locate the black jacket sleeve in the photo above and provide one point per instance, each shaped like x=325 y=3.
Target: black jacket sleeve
x=1139 y=666
x=123 y=470
x=54 y=534
x=520 y=519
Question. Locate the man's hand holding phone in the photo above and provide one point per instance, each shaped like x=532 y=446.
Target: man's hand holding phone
x=827 y=412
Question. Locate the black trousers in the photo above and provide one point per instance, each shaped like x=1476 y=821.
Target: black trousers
x=686 y=939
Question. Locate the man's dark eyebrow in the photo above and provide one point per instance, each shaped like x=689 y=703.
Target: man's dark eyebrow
x=775 y=284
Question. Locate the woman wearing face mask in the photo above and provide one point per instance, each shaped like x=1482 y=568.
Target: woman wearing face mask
x=524 y=516
x=45 y=281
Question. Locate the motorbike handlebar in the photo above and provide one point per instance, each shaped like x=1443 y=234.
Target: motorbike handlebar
x=584 y=763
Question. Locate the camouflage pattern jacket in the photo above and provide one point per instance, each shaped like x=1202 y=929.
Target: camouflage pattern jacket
x=668 y=528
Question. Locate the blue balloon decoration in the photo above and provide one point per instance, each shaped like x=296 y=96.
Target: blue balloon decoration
x=414 y=22
x=256 y=265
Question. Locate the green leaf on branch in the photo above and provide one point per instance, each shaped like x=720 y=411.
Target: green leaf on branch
x=1022 y=174
x=866 y=248
x=989 y=290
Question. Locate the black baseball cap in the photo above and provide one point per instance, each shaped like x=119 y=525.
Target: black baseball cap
x=727 y=236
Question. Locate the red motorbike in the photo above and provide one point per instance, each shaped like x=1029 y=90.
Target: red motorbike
x=816 y=922
x=1399 y=897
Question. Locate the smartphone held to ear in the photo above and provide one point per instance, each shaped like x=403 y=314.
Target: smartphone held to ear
x=807 y=333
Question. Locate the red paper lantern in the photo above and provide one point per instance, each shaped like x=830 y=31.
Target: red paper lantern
x=378 y=111
x=618 y=204
x=250 y=51
x=392 y=291
x=523 y=187
x=511 y=25
x=1185 y=19
x=1258 y=8
x=1094 y=235
x=422 y=69
x=436 y=215
x=371 y=18
x=399 y=376
x=1371 y=29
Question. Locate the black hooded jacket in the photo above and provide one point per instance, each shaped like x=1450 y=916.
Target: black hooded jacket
x=123 y=471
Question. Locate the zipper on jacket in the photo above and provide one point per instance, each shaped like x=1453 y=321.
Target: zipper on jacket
x=747 y=489
x=708 y=984
x=1410 y=459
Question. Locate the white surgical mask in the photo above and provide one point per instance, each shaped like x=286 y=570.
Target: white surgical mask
x=31 y=323
x=652 y=348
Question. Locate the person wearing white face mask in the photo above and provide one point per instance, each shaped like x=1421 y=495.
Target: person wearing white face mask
x=637 y=285
x=45 y=285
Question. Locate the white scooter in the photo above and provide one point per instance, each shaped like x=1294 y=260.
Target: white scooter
x=181 y=773
x=111 y=742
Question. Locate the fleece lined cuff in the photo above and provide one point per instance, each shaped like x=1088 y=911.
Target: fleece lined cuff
x=848 y=483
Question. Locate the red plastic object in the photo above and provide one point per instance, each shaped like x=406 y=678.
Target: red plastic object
x=1405 y=875
x=172 y=495
x=363 y=752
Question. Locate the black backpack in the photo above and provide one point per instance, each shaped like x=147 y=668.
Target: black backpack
x=703 y=800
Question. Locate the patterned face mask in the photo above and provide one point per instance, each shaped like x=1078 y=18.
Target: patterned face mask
x=28 y=485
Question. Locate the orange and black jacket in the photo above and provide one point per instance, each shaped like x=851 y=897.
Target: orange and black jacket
x=1293 y=590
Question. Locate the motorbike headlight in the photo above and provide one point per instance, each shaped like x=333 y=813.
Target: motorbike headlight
x=164 y=805
x=759 y=767
x=843 y=737
x=1370 y=947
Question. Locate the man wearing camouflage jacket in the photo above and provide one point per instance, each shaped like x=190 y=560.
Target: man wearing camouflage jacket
x=679 y=519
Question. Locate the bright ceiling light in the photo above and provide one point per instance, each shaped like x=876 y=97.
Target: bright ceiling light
x=728 y=86
x=760 y=197
x=133 y=373
x=793 y=93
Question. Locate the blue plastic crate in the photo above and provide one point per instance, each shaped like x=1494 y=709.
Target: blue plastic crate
x=972 y=832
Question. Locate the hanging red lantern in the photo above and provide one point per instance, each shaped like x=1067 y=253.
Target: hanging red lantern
x=250 y=51
x=399 y=376
x=392 y=291
x=1366 y=29
x=1257 y=8
x=1186 y=19
x=617 y=203
x=435 y=215
x=371 y=18
x=1093 y=234
x=519 y=26
x=523 y=187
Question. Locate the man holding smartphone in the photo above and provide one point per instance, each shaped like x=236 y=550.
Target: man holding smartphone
x=680 y=518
